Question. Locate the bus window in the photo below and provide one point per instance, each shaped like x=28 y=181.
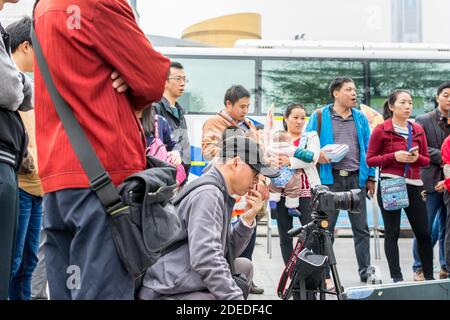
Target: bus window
x=305 y=81
x=420 y=78
x=209 y=78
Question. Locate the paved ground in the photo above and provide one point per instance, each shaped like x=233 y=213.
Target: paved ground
x=268 y=271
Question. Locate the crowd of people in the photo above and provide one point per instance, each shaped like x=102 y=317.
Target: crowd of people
x=53 y=226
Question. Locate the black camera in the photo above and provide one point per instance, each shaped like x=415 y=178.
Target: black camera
x=326 y=202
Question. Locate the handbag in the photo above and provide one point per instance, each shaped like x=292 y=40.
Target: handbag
x=394 y=193
x=144 y=223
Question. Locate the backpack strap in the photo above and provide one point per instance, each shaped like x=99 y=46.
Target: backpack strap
x=319 y=121
x=202 y=181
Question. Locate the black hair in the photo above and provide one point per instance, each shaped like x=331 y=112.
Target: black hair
x=337 y=84
x=289 y=110
x=148 y=121
x=19 y=32
x=443 y=86
x=176 y=65
x=387 y=113
x=235 y=93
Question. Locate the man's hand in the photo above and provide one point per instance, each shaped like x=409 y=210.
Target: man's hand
x=323 y=159
x=263 y=188
x=254 y=205
x=440 y=187
x=370 y=187
x=119 y=83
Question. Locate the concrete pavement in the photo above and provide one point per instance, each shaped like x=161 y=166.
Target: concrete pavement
x=268 y=271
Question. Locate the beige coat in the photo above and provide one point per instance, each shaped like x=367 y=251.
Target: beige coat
x=213 y=130
x=30 y=182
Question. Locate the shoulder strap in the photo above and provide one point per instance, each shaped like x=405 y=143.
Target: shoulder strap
x=230 y=122
x=99 y=179
x=409 y=145
x=319 y=121
x=202 y=181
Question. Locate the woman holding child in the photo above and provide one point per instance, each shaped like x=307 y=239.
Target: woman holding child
x=304 y=177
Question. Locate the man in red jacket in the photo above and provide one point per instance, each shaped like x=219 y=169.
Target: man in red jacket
x=88 y=44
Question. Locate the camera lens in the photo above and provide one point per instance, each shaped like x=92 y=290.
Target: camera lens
x=348 y=201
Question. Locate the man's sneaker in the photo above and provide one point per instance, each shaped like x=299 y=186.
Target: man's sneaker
x=255 y=290
x=443 y=274
x=294 y=212
x=419 y=276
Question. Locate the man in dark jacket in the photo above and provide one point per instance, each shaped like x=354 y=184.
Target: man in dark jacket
x=15 y=94
x=171 y=110
x=437 y=128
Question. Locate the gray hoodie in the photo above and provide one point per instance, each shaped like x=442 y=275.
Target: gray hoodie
x=201 y=263
x=15 y=94
x=16 y=91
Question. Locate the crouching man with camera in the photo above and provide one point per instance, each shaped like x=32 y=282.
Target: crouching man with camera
x=199 y=268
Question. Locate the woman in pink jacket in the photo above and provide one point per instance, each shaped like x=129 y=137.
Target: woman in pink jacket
x=389 y=150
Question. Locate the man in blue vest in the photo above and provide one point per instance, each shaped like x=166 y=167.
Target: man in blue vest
x=341 y=123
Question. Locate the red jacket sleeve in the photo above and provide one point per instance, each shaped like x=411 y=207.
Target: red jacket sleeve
x=445 y=151
x=121 y=42
x=424 y=155
x=375 y=156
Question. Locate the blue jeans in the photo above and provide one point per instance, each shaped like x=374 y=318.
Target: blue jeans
x=80 y=256
x=437 y=214
x=27 y=245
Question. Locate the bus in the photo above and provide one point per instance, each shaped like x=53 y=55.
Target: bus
x=281 y=72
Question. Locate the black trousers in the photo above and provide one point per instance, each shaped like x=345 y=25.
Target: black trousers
x=285 y=223
x=9 y=214
x=358 y=221
x=418 y=219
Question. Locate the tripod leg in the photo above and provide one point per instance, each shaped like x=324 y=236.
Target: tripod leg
x=328 y=246
x=303 y=294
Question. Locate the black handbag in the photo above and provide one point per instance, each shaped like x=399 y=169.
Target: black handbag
x=143 y=221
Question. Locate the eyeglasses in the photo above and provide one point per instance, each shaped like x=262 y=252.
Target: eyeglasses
x=179 y=79
x=255 y=174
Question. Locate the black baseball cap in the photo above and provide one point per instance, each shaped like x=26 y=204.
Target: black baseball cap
x=250 y=152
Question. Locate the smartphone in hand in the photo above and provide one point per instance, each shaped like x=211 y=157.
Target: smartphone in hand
x=413 y=150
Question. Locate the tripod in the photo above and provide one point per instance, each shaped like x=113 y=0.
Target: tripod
x=313 y=236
